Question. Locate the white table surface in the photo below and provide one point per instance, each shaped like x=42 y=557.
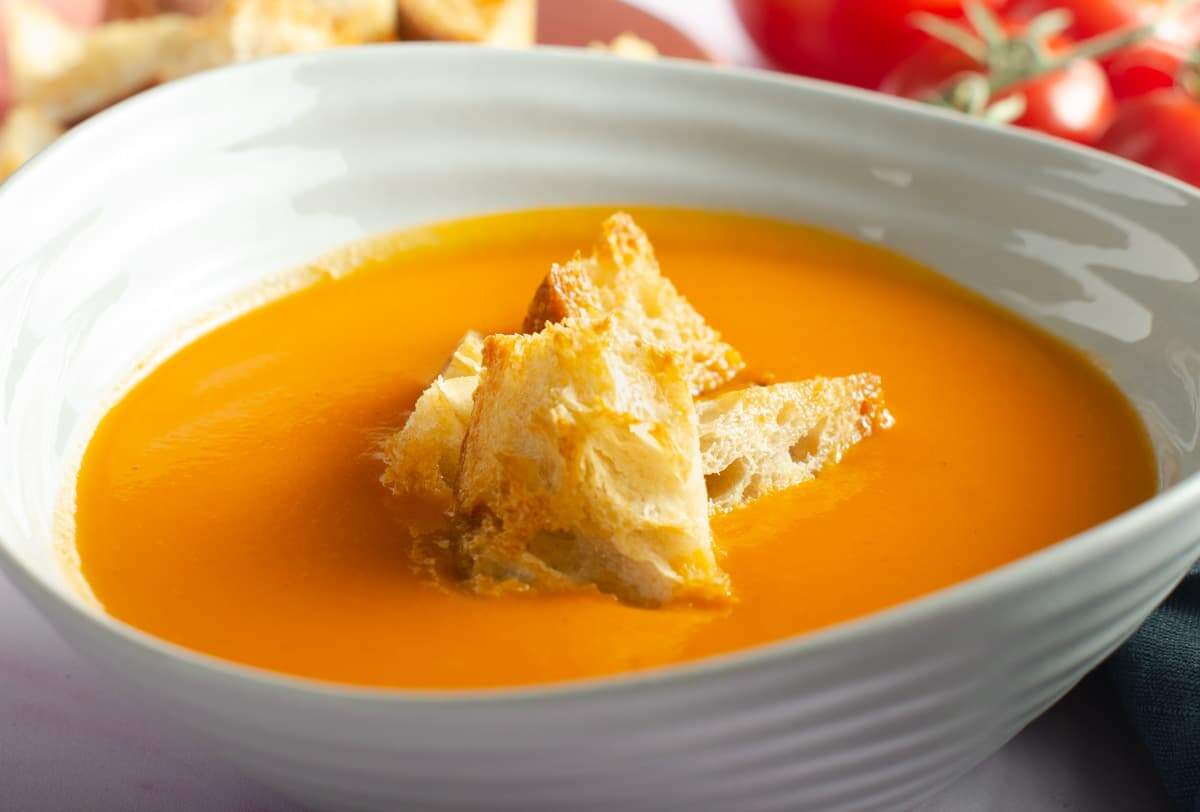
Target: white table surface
x=69 y=739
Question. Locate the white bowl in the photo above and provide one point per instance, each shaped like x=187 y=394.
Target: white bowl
x=154 y=214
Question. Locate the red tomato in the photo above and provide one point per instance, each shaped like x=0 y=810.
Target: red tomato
x=1075 y=103
x=1094 y=17
x=1091 y=17
x=851 y=41
x=926 y=72
x=1160 y=130
x=1144 y=68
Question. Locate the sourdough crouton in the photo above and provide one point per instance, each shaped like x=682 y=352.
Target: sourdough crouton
x=363 y=20
x=763 y=439
x=505 y=23
x=422 y=458
x=467 y=358
x=25 y=132
x=68 y=74
x=71 y=74
x=628 y=45
x=622 y=280
x=581 y=465
x=242 y=30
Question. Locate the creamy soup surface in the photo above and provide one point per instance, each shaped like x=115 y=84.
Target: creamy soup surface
x=230 y=501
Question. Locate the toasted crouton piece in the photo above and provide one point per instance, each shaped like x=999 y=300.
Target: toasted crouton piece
x=69 y=75
x=467 y=358
x=24 y=133
x=134 y=9
x=39 y=45
x=363 y=20
x=623 y=280
x=581 y=465
x=506 y=23
x=763 y=439
x=422 y=458
x=628 y=45
x=748 y=436
x=242 y=30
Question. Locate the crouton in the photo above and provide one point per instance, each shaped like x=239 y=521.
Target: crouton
x=69 y=75
x=24 y=133
x=622 y=280
x=422 y=458
x=363 y=20
x=581 y=465
x=243 y=30
x=763 y=439
x=505 y=23
x=467 y=358
x=628 y=45
x=39 y=45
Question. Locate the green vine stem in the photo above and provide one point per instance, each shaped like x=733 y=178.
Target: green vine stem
x=1189 y=75
x=1010 y=60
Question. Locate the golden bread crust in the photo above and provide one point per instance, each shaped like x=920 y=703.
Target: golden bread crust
x=25 y=132
x=763 y=439
x=421 y=460
x=622 y=280
x=505 y=23
x=581 y=464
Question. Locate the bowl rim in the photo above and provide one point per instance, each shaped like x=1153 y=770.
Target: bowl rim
x=1165 y=506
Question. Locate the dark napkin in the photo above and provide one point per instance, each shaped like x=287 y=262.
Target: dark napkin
x=1157 y=674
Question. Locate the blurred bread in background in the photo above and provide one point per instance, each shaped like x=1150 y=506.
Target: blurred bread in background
x=26 y=132
x=628 y=45
x=506 y=23
x=63 y=61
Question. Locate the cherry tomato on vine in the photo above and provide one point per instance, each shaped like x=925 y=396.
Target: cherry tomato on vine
x=1094 y=17
x=1091 y=17
x=850 y=41
x=1144 y=68
x=1075 y=102
x=1160 y=130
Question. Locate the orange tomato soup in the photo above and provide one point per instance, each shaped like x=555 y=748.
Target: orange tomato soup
x=230 y=502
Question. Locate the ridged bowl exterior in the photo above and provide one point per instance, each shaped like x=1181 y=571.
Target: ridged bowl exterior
x=154 y=214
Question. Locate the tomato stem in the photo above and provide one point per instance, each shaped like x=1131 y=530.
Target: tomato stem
x=1094 y=48
x=945 y=31
x=1007 y=61
x=985 y=22
x=1189 y=75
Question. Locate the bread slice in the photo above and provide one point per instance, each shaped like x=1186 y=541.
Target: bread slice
x=622 y=279
x=581 y=465
x=763 y=439
x=422 y=458
x=504 y=23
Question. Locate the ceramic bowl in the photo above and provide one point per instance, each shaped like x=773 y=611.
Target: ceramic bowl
x=152 y=215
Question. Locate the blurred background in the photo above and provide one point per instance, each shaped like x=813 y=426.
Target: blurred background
x=1115 y=75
